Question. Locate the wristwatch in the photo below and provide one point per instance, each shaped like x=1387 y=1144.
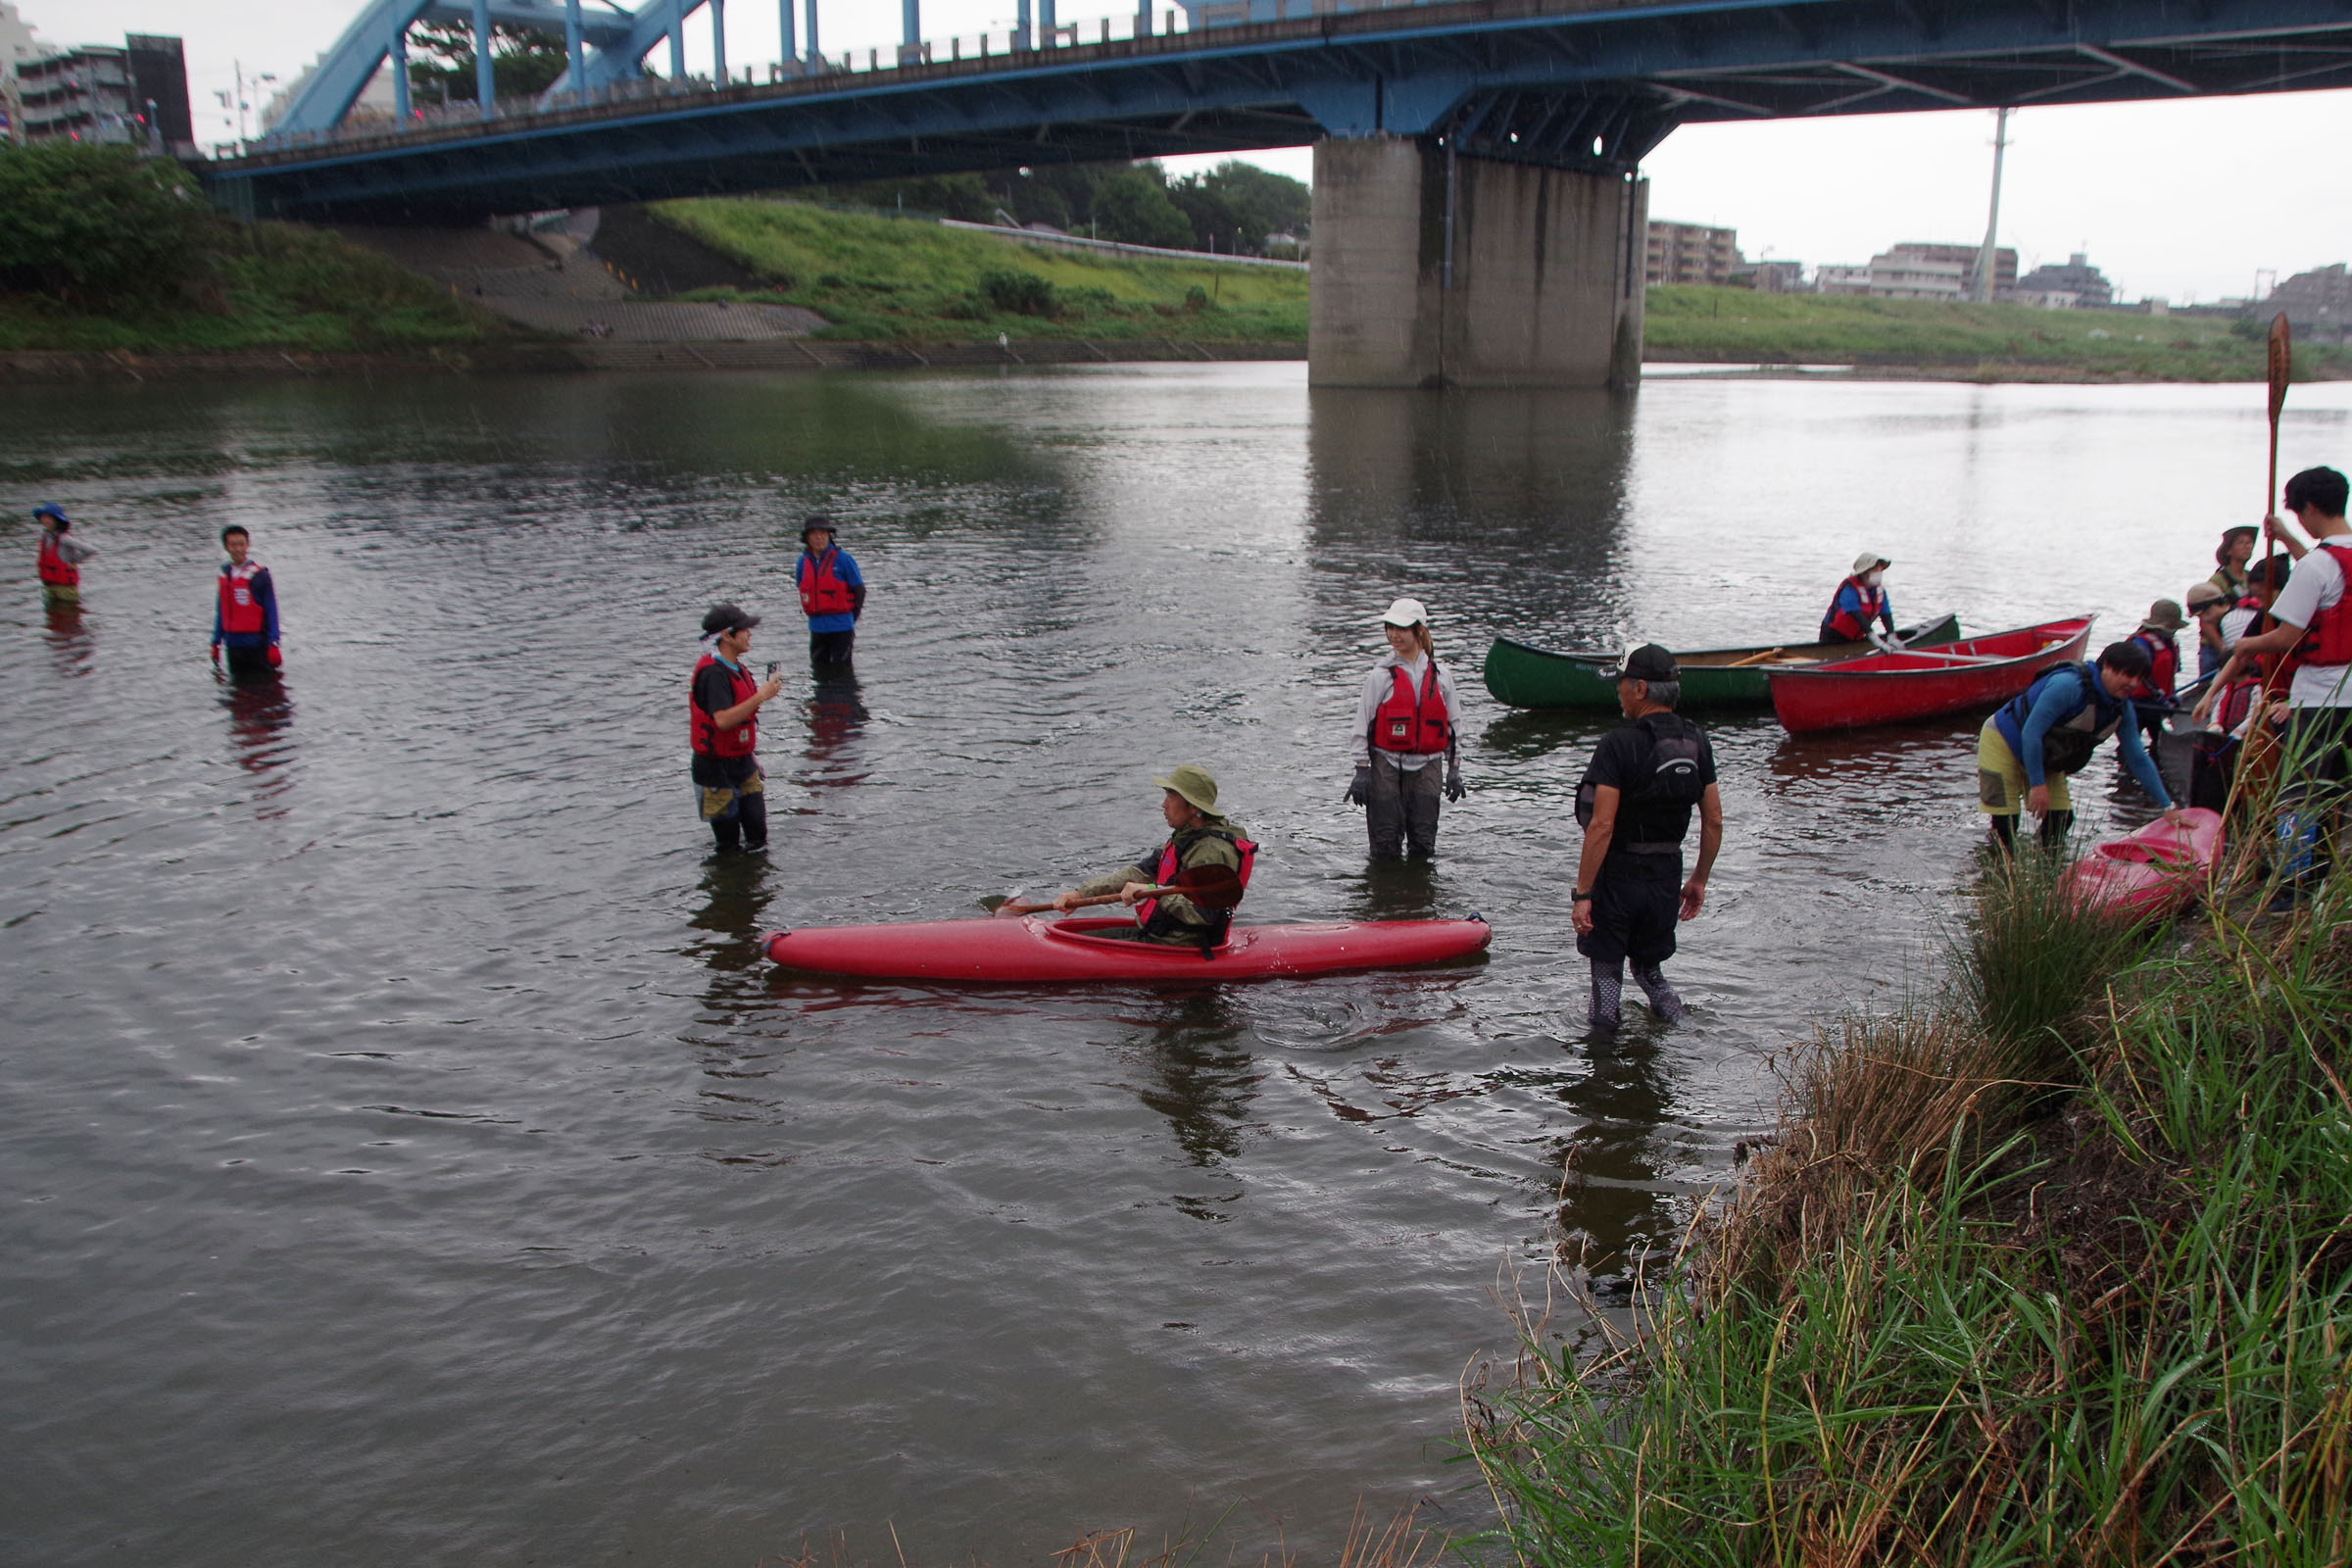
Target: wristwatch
x=1582 y=897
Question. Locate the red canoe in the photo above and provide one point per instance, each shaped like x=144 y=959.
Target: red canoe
x=1978 y=674
x=2153 y=871
x=1034 y=948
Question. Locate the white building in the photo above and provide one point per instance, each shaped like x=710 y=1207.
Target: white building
x=1828 y=279
x=18 y=46
x=1903 y=274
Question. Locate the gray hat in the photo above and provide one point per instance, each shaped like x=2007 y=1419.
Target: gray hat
x=1194 y=783
x=2165 y=614
x=2203 y=594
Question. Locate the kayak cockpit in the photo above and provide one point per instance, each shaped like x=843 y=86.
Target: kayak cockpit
x=1094 y=935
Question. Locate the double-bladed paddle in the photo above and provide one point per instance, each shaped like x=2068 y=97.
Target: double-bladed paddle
x=1213 y=887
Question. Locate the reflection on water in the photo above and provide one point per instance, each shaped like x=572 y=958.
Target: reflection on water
x=836 y=715
x=1195 y=1053
x=261 y=720
x=71 y=648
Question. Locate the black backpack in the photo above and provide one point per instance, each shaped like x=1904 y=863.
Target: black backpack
x=1676 y=781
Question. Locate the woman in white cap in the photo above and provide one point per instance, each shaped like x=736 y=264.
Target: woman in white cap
x=1860 y=600
x=1408 y=721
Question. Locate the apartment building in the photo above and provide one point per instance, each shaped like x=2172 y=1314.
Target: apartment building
x=98 y=93
x=1692 y=253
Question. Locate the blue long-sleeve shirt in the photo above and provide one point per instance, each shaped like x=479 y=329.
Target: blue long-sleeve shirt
x=264 y=594
x=2062 y=698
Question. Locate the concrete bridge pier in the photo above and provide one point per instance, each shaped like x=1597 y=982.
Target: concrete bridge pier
x=1434 y=269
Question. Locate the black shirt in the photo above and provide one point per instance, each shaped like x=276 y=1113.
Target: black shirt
x=1622 y=762
x=715 y=694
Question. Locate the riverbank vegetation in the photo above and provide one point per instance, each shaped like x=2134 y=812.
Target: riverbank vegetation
x=2054 y=1266
x=1988 y=342
x=103 y=250
x=876 y=276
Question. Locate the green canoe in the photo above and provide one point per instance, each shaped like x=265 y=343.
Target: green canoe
x=1712 y=677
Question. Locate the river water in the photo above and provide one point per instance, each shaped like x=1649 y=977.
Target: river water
x=408 y=1157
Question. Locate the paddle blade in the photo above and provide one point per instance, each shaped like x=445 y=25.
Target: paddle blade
x=1213 y=887
x=2282 y=362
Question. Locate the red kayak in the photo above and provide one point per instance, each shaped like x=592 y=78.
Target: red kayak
x=1975 y=674
x=2151 y=872
x=1034 y=948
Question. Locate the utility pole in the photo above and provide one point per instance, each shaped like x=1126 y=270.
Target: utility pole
x=1992 y=223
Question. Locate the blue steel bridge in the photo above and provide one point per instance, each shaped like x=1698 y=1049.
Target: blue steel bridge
x=1580 y=86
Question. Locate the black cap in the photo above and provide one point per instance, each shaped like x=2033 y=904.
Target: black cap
x=1648 y=661
x=728 y=618
x=815 y=521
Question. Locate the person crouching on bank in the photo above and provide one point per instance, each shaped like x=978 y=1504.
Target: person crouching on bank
x=1198 y=837
x=1635 y=803
x=1408 y=721
x=724 y=718
x=2034 y=742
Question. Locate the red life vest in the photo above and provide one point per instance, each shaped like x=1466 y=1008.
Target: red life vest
x=708 y=738
x=1404 y=723
x=2328 y=640
x=240 y=607
x=1165 y=872
x=1846 y=624
x=55 y=570
x=822 y=592
x=2164 y=659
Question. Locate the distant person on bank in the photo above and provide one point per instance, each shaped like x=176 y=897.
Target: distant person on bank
x=2313 y=634
x=1860 y=600
x=245 y=610
x=1198 y=837
x=1635 y=803
x=2037 y=741
x=2229 y=559
x=58 y=562
x=832 y=592
x=724 y=719
x=1408 y=721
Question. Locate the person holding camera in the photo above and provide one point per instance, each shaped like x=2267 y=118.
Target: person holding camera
x=724 y=716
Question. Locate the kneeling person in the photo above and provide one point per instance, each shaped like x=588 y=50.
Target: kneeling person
x=1198 y=837
x=1635 y=804
x=2030 y=747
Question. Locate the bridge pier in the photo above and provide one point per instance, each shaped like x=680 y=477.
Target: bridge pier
x=1438 y=269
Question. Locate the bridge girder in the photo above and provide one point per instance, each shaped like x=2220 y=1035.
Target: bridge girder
x=1529 y=80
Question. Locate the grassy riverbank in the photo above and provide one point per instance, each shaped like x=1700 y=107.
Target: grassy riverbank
x=877 y=277
x=2056 y=1267
x=103 y=251
x=1990 y=342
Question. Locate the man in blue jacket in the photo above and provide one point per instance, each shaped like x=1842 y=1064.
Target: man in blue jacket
x=2029 y=749
x=832 y=592
x=244 y=611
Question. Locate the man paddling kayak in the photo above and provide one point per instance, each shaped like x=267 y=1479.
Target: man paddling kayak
x=1199 y=838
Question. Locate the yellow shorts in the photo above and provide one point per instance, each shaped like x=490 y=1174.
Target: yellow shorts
x=721 y=800
x=2001 y=778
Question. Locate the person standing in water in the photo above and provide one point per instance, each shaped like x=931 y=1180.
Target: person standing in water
x=723 y=727
x=245 y=610
x=59 y=563
x=1635 y=803
x=832 y=592
x=1407 y=719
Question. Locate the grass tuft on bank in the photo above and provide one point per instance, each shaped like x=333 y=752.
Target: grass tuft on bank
x=104 y=251
x=878 y=278
x=2053 y=1267
x=1990 y=342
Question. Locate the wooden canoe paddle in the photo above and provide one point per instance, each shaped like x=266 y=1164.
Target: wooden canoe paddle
x=1756 y=658
x=1213 y=887
x=2282 y=366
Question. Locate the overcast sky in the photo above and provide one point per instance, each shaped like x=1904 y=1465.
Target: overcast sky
x=2184 y=200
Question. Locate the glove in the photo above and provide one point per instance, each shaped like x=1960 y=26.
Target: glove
x=1359 y=789
x=1455 y=789
x=216 y=655
x=276 y=659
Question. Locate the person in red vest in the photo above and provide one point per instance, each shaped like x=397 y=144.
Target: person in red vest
x=2156 y=637
x=1408 y=721
x=2312 y=631
x=244 y=611
x=1198 y=837
x=832 y=592
x=723 y=725
x=1860 y=600
x=59 y=564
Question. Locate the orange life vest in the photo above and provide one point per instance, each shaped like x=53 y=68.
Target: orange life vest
x=709 y=739
x=1409 y=723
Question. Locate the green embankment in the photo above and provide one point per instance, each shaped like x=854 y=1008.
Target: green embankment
x=874 y=276
x=1995 y=342
x=101 y=250
x=2055 y=1267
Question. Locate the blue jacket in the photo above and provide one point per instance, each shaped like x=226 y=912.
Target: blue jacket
x=2062 y=697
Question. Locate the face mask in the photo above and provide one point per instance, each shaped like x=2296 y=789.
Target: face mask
x=1873 y=578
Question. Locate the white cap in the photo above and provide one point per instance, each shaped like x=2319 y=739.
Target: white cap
x=1868 y=561
x=1407 y=612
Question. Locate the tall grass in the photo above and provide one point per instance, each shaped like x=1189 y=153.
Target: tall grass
x=1959 y=1315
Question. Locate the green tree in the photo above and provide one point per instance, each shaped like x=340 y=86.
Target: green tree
x=524 y=62
x=97 y=225
x=1133 y=206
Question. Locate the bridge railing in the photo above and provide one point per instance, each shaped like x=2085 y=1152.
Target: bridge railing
x=1007 y=47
